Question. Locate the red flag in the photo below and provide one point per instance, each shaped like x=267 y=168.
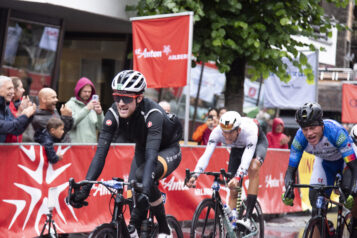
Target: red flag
x=349 y=103
x=161 y=49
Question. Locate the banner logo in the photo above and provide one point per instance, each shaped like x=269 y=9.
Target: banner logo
x=41 y=176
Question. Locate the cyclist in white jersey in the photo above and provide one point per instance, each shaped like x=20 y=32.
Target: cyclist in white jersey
x=248 y=149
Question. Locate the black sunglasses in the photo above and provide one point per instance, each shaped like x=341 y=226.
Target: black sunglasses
x=126 y=98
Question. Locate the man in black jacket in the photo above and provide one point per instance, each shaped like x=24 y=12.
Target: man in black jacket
x=157 y=151
x=47 y=108
x=8 y=123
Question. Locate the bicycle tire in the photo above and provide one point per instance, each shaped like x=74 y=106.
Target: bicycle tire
x=257 y=216
x=174 y=226
x=204 y=219
x=313 y=226
x=346 y=225
x=105 y=230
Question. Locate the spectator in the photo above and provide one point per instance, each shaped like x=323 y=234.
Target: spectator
x=51 y=134
x=87 y=113
x=221 y=111
x=202 y=133
x=166 y=106
x=24 y=75
x=276 y=138
x=8 y=123
x=264 y=120
x=47 y=98
x=17 y=105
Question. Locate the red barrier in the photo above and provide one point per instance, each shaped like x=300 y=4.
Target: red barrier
x=27 y=177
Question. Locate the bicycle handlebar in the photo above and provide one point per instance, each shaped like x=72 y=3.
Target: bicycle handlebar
x=320 y=187
x=226 y=175
x=116 y=183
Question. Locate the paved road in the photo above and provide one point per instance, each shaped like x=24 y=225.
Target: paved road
x=279 y=226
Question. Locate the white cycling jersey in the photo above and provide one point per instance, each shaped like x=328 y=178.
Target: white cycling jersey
x=247 y=138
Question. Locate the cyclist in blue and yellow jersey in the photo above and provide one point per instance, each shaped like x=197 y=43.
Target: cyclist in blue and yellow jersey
x=157 y=151
x=332 y=147
x=248 y=149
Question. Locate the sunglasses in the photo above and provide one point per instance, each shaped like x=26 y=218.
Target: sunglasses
x=126 y=98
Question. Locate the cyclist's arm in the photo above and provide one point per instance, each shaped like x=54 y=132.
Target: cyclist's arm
x=206 y=156
x=344 y=143
x=297 y=149
x=105 y=138
x=153 y=142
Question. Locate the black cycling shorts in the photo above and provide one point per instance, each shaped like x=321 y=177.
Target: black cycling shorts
x=260 y=153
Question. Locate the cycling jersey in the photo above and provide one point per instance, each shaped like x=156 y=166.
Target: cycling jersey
x=149 y=127
x=247 y=140
x=335 y=144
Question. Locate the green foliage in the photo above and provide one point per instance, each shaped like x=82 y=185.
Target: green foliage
x=258 y=31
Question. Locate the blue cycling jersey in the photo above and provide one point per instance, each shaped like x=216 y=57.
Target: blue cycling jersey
x=335 y=144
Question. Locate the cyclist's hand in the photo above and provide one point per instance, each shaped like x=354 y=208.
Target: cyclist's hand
x=191 y=183
x=142 y=201
x=289 y=201
x=79 y=196
x=233 y=183
x=290 y=176
x=349 y=202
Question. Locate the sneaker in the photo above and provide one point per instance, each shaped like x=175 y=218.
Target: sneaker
x=132 y=231
x=163 y=235
x=247 y=223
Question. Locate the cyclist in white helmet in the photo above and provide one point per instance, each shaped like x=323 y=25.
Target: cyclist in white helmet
x=157 y=151
x=248 y=149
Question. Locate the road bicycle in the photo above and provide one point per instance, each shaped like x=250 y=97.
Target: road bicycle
x=118 y=227
x=319 y=225
x=211 y=219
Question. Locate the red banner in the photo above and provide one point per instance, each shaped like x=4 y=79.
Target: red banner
x=27 y=176
x=161 y=48
x=349 y=103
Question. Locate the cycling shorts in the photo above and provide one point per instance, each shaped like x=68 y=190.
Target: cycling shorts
x=260 y=153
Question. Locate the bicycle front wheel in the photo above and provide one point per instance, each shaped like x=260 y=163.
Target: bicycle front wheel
x=174 y=227
x=206 y=221
x=346 y=225
x=314 y=229
x=104 y=231
x=257 y=216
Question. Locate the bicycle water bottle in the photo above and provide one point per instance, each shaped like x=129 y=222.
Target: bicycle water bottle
x=331 y=228
x=234 y=218
x=228 y=212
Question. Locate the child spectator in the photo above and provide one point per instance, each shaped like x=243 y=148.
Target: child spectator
x=50 y=135
x=276 y=138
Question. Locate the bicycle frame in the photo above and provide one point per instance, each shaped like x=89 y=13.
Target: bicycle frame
x=120 y=201
x=218 y=204
x=322 y=203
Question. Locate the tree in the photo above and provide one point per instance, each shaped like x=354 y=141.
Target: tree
x=255 y=34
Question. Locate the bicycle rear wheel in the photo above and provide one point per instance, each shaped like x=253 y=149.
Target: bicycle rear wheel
x=314 y=229
x=258 y=218
x=207 y=223
x=105 y=230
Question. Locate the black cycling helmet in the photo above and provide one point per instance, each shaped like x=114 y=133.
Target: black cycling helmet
x=129 y=81
x=310 y=114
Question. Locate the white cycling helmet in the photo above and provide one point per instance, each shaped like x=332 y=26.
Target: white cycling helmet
x=229 y=121
x=353 y=133
x=129 y=81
